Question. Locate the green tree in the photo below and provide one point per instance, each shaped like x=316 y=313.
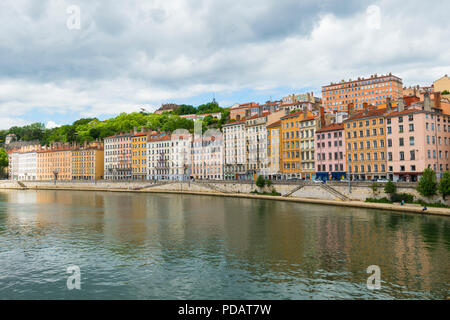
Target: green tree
x=445 y=92
x=185 y=109
x=3 y=161
x=211 y=107
x=427 y=185
x=390 y=188
x=374 y=188
x=444 y=185
x=260 y=182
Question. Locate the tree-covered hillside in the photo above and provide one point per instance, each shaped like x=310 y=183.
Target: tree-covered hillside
x=90 y=129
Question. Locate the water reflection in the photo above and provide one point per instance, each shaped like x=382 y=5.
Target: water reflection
x=174 y=246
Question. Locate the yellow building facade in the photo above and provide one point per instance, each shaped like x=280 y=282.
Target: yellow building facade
x=442 y=84
x=138 y=155
x=297 y=144
x=88 y=162
x=366 y=143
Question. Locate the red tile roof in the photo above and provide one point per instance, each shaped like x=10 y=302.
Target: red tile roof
x=259 y=116
x=332 y=127
x=234 y=123
x=275 y=124
x=360 y=114
x=140 y=134
x=398 y=113
x=162 y=137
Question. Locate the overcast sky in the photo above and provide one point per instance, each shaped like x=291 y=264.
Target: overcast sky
x=128 y=54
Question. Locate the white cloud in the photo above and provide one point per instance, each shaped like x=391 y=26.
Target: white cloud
x=8 y=122
x=142 y=53
x=52 y=124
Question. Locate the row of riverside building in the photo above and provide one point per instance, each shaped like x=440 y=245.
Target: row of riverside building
x=361 y=129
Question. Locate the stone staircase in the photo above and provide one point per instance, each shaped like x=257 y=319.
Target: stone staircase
x=210 y=186
x=152 y=185
x=22 y=185
x=289 y=193
x=323 y=186
x=334 y=192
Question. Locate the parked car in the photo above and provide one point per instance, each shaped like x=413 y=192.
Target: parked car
x=382 y=180
x=318 y=181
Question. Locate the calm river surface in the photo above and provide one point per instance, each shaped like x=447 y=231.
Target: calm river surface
x=146 y=246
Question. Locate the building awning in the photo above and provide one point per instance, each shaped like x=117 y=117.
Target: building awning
x=338 y=175
x=322 y=174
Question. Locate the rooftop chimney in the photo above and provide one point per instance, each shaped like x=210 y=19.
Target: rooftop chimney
x=135 y=130
x=350 y=109
x=437 y=100
x=426 y=101
x=365 y=107
x=400 y=105
x=322 y=117
x=388 y=104
x=305 y=112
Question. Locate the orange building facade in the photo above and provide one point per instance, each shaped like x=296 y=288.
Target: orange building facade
x=374 y=90
x=55 y=163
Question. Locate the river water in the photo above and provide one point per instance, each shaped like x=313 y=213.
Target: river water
x=148 y=246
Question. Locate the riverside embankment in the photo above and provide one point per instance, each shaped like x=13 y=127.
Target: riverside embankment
x=333 y=193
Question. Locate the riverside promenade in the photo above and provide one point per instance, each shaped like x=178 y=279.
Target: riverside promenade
x=335 y=194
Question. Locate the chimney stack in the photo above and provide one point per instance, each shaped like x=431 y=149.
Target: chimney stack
x=426 y=101
x=437 y=100
x=365 y=107
x=135 y=130
x=400 y=105
x=322 y=117
x=350 y=109
x=388 y=104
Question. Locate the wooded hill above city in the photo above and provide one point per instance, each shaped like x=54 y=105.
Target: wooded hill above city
x=89 y=129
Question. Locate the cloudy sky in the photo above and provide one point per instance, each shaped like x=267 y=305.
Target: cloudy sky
x=128 y=54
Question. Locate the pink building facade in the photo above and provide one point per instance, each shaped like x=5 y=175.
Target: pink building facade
x=118 y=157
x=417 y=137
x=330 y=153
x=207 y=158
